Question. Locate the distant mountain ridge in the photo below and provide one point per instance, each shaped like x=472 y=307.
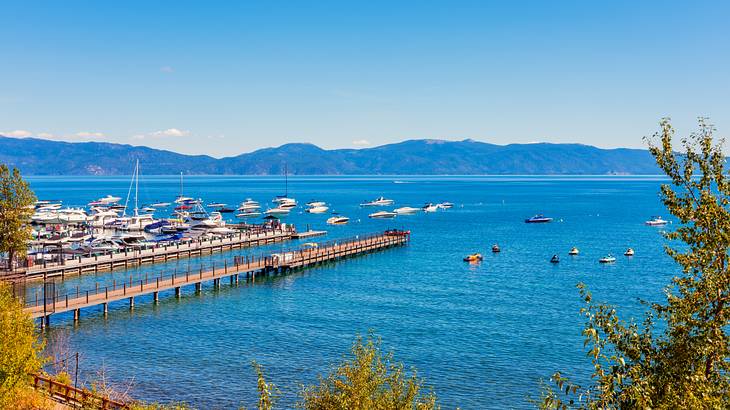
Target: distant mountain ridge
x=34 y=156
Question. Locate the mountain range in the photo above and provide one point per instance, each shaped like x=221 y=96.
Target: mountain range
x=34 y=156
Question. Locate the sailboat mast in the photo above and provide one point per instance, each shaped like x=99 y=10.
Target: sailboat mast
x=136 y=189
x=286 y=180
x=181 y=185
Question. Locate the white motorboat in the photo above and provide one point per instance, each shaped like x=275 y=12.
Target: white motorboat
x=318 y=209
x=109 y=199
x=277 y=211
x=315 y=204
x=44 y=217
x=445 y=205
x=288 y=204
x=629 y=252
x=656 y=221
x=383 y=215
x=137 y=222
x=406 y=210
x=379 y=202
x=72 y=216
x=607 y=259
x=574 y=251
x=248 y=214
x=249 y=205
x=49 y=207
x=216 y=205
x=338 y=220
x=430 y=208
x=161 y=204
x=148 y=209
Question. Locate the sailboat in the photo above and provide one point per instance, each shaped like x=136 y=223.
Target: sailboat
x=136 y=222
x=181 y=199
x=284 y=204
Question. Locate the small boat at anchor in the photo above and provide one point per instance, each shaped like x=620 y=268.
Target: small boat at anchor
x=320 y=209
x=406 y=210
x=383 y=215
x=380 y=201
x=656 y=221
x=429 y=207
x=629 y=252
x=338 y=220
x=538 y=219
x=555 y=259
x=474 y=257
x=574 y=251
x=496 y=249
x=607 y=259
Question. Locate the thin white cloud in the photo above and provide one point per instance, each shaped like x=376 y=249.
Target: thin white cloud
x=17 y=133
x=170 y=132
x=46 y=135
x=360 y=143
x=87 y=134
x=166 y=69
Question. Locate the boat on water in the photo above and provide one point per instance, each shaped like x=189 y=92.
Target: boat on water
x=496 y=249
x=607 y=259
x=149 y=209
x=629 y=252
x=429 y=207
x=287 y=204
x=338 y=220
x=249 y=204
x=406 y=210
x=574 y=251
x=216 y=205
x=445 y=205
x=318 y=209
x=248 y=214
x=383 y=215
x=161 y=204
x=380 y=201
x=107 y=200
x=277 y=211
x=315 y=204
x=555 y=259
x=538 y=219
x=182 y=198
x=656 y=221
x=136 y=223
x=225 y=210
x=474 y=257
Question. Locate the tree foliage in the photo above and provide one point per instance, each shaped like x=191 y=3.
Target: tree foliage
x=369 y=379
x=16 y=209
x=19 y=350
x=678 y=356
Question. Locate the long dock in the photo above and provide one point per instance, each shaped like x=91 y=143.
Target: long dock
x=249 y=266
x=124 y=259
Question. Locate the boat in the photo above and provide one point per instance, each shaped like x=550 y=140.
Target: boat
x=183 y=207
x=656 y=221
x=317 y=209
x=445 y=205
x=379 y=202
x=315 y=204
x=429 y=207
x=108 y=200
x=225 y=210
x=148 y=209
x=248 y=214
x=406 y=210
x=288 y=203
x=277 y=211
x=538 y=219
x=383 y=215
x=574 y=251
x=249 y=204
x=161 y=204
x=474 y=257
x=182 y=198
x=629 y=252
x=555 y=259
x=495 y=248
x=137 y=223
x=216 y=205
x=338 y=220
x=283 y=201
x=607 y=259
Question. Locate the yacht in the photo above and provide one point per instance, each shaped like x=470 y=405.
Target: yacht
x=607 y=259
x=430 y=208
x=406 y=210
x=445 y=205
x=181 y=199
x=538 y=219
x=215 y=220
x=656 y=221
x=318 y=209
x=160 y=204
x=44 y=217
x=148 y=209
x=108 y=200
x=137 y=222
x=315 y=203
x=383 y=215
x=249 y=204
x=284 y=202
x=248 y=213
x=379 y=202
x=216 y=205
x=277 y=211
x=338 y=220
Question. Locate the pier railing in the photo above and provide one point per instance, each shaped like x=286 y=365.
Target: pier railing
x=52 y=301
x=73 y=396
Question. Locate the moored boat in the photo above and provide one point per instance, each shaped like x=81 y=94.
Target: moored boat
x=629 y=252
x=656 y=221
x=382 y=215
x=338 y=220
x=380 y=201
x=406 y=210
x=574 y=251
x=607 y=259
x=474 y=257
x=538 y=219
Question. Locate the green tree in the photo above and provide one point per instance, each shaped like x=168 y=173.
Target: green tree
x=16 y=209
x=19 y=350
x=369 y=379
x=678 y=357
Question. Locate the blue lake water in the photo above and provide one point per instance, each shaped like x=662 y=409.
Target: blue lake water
x=481 y=335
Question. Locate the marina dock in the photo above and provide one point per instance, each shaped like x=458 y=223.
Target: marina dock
x=127 y=258
x=250 y=267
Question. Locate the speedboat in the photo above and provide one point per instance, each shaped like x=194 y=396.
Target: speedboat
x=555 y=259
x=315 y=204
x=338 y=220
x=445 y=205
x=148 y=209
x=248 y=214
x=249 y=204
x=574 y=251
x=161 y=204
x=183 y=199
x=317 y=209
x=656 y=221
x=629 y=252
x=383 y=215
x=495 y=248
x=474 y=257
x=137 y=223
x=405 y=210
x=429 y=207
x=379 y=202
x=108 y=200
x=277 y=211
x=216 y=205
x=538 y=219
x=607 y=259
x=225 y=210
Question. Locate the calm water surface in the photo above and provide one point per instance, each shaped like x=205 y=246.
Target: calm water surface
x=482 y=335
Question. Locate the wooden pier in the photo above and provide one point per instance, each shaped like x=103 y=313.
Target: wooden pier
x=249 y=266
x=127 y=258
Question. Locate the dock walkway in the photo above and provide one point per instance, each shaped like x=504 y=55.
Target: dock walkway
x=126 y=258
x=249 y=266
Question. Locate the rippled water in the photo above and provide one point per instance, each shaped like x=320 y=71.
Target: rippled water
x=482 y=335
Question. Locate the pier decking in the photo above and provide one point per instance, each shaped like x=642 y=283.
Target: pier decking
x=249 y=266
x=124 y=259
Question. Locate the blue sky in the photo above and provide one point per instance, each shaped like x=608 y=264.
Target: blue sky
x=222 y=78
